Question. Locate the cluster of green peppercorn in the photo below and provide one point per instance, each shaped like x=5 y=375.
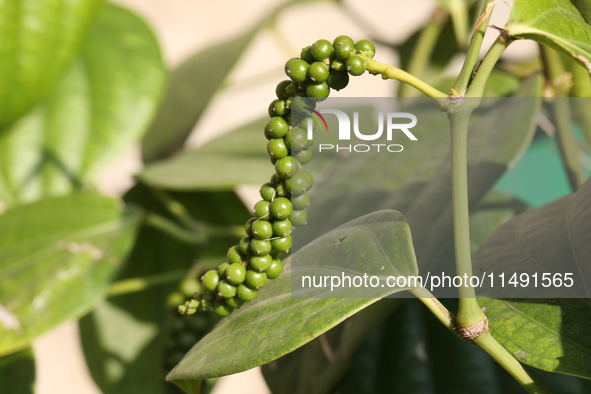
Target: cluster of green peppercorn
x=320 y=67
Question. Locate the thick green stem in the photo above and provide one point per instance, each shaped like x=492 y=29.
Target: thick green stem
x=423 y=50
x=469 y=312
x=389 y=72
x=135 y=285
x=559 y=84
x=476 y=88
x=490 y=345
x=440 y=311
x=567 y=144
x=485 y=341
x=469 y=65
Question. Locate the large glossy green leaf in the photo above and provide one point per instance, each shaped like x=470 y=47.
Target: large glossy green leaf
x=556 y=23
x=125 y=339
x=101 y=106
x=191 y=87
x=39 y=39
x=276 y=323
x=17 y=372
x=550 y=334
x=57 y=258
x=311 y=368
x=239 y=157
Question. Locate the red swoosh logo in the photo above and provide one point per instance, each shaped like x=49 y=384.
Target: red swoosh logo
x=320 y=116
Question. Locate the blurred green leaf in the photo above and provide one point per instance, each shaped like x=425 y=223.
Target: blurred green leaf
x=239 y=157
x=458 y=9
x=17 y=372
x=556 y=23
x=57 y=258
x=190 y=89
x=551 y=334
x=125 y=339
x=100 y=108
x=584 y=8
x=244 y=340
x=39 y=40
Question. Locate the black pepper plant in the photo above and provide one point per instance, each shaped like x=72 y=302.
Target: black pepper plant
x=164 y=306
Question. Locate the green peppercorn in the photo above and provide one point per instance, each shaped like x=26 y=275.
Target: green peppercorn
x=255 y=280
x=280 y=89
x=268 y=191
x=322 y=50
x=281 y=208
x=281 y=228
x=222 y=269
x=338 y=80
x=306 y=55
x=318 y=90
x=244 y=246
x=277 y=127
x=287 y=167
x=261 y=263
x=304 y=156
x=275 y=269
x=297 y=70
x=299 y=217
x=235 y=274
x=318 y=72
x=245 y=293
x=261 y=209
x=259 y=247
x=248 y=227
x=262 y=229
x=281 y=244
x=234 y=302
x=210 y=280
x=235 y=255
x=277 y=148
x=355 y=65
x=225 y=289
x=222 y=309
x=366 y=47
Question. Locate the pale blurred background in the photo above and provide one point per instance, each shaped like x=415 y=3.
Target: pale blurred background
x=184 y=27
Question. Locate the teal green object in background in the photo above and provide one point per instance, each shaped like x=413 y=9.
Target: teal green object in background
x=539 y=177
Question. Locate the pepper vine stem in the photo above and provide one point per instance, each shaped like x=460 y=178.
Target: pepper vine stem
x=423 y=50
x=477 y=85
x=469 y=65
x=389 y=72
x=134 y=285
x=559 y=84
x=459 y=116
x=485 y=341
